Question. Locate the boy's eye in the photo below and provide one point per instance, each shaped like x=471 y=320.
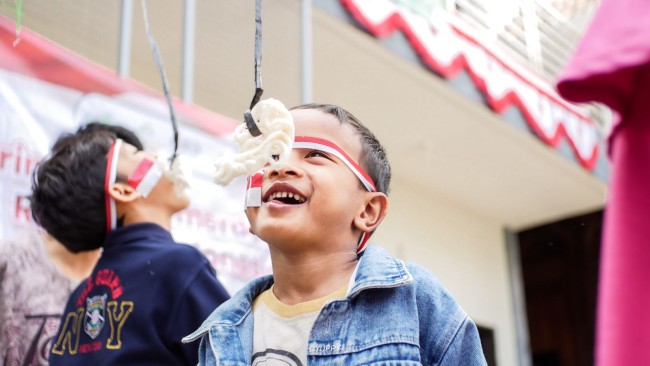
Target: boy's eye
x=317 y=154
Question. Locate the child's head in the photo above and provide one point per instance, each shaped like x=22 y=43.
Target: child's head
x=333 y=189
x=70 y=192
x=373 y=155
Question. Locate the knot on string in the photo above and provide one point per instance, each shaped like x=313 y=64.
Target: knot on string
x=248 y=117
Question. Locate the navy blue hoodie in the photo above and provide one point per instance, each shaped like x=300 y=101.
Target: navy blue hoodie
x=144 y=295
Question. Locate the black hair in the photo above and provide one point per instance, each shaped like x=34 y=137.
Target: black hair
x=68 y=196
x=120 y=132
x=373 y=155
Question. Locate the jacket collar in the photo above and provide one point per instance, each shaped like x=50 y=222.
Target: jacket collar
x=376 y=269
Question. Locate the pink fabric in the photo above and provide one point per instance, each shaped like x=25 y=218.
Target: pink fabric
x=612 y=65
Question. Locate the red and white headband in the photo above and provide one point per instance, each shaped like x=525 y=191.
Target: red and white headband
x=306 y=142
x=111 y=174
x=143 y=179
x=254 y=182
x=254 y=189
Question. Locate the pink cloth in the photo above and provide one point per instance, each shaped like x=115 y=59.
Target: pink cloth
x=612 y=65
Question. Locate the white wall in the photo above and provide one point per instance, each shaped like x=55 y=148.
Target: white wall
x=466 y=252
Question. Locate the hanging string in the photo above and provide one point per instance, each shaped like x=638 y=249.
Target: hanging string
x=19 y=21
x=18 y=7
x=248 y=118
x=163 y=75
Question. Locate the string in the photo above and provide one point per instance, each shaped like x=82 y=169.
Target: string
x=161 y=70
x=248 y=118
x=18 y=7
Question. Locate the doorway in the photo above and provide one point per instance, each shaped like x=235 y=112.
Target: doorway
x=559 y=263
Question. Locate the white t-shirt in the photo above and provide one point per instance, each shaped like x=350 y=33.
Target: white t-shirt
x=281 y=332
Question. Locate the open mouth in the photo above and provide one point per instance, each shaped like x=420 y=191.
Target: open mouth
x=285 y=194
x=287 y=198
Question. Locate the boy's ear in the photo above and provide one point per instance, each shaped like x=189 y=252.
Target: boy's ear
x=122 y=192
x=376 y=207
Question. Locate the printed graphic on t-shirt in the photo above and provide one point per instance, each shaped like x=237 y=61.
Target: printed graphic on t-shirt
x=94 y=321
x=42 y=328
x=275 y=357
x=95 y=310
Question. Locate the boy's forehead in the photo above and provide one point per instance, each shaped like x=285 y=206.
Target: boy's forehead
x=314 y=123
x=128 y=148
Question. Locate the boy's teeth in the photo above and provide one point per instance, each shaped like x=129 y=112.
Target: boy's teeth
x=295 y=196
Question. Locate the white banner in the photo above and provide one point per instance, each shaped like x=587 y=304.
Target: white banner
x=33 y=113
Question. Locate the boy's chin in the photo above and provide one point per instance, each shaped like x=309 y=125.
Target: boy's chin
x=284 y=241
x=183 y=203
x=278 y=237
x=184 y=197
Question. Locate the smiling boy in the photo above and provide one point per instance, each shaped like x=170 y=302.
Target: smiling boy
x=331 y=300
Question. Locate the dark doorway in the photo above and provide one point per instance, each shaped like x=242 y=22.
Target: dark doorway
x=487 y=343
x=559 y=262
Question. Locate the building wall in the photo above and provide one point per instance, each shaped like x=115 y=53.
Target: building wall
x=465 y=251
x=224 y=46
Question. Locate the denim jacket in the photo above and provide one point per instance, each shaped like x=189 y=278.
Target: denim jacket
x=393 y=314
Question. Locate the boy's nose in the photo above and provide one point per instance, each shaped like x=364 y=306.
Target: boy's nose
x=288 y=169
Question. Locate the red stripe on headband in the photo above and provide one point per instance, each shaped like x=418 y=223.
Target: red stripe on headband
x=109 y=179
x=331 y=145
x=255 y=180
x=139 y=173
x=254 y=189
x=361 y=246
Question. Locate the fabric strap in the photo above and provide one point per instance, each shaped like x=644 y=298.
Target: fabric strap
x=109 y=180
x=143 y=179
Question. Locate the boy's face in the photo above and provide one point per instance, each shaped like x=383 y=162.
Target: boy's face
x=326 y=193
x=163 y=195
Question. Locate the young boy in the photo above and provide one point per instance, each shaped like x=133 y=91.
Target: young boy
x=331 y=301
x=99 y=189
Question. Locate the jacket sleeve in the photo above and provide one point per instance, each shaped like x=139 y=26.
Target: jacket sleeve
x=447 y=335
x=465 y=348
x=206 y=355
x=202 y=295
